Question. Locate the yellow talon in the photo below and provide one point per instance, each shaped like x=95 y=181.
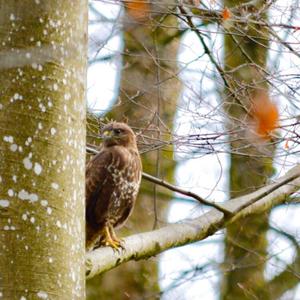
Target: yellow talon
x=110 y=239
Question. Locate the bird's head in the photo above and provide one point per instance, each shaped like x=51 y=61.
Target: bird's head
x=116 y=133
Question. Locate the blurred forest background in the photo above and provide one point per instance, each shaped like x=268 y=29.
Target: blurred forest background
x=212 y=90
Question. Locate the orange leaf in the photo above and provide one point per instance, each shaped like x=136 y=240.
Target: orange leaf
x=226 y=14
x=265 y=114
x=138 y=9
x=286 y=145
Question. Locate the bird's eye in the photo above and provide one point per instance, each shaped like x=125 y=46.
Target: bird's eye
x=117 y=131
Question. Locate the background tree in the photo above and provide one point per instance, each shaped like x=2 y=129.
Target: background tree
x=245 y=57
x=42 y=117
x=149 y=91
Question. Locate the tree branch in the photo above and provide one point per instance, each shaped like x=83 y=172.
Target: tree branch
x=286 y=280
x=145 y=245
x=186 y=193
x=289 y=277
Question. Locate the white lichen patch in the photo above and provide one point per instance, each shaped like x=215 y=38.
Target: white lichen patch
x=20 y=71
x=42 y=107
x=52 y=131
x=13 y=147
x=27 y=163
x=28 y=141
x=8 y=138
x=37 y=168
x=55 y=185
x=10 y=193
x=67 y=96
x=4 y=203
x=16 y=97
x=42 y=295
x=24 y=195
x=58 y=224
x=44 y=202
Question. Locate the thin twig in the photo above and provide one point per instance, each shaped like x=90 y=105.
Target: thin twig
x=185 y=192
x=174 y=188
x=190 y=23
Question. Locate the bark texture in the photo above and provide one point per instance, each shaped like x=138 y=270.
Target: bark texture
x=42 y=142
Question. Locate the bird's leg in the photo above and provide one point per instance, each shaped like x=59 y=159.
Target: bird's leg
x=109 y=238
x=114 y=236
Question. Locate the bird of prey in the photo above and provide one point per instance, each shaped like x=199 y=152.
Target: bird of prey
x=113 y=179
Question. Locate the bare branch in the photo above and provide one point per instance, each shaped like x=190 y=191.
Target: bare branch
x=149 y=244
x=174 y=188
x=184 y=192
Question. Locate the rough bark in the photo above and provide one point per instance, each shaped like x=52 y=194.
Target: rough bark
x=149 y=91
x=42 y=142
x=246 y=244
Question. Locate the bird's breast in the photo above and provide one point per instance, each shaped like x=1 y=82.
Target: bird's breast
x=126 y=180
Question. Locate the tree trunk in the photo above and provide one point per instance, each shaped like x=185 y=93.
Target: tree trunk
x=246 y=241
x=149 y=92
x=42 y=158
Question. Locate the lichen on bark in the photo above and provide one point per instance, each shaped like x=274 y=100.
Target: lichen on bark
x=42 y=140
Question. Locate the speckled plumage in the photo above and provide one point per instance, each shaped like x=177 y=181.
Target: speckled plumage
x=112 y=182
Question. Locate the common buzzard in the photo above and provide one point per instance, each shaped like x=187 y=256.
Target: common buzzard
x=113 y=179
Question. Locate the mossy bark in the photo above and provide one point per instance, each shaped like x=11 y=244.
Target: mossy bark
x=42 y=141
x=246 y=241
x=149 y=91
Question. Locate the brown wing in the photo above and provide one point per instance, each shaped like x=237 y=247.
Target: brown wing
x=99 y=187
x=127 y=192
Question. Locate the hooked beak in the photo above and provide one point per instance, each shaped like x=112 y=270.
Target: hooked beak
x=107 y=134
